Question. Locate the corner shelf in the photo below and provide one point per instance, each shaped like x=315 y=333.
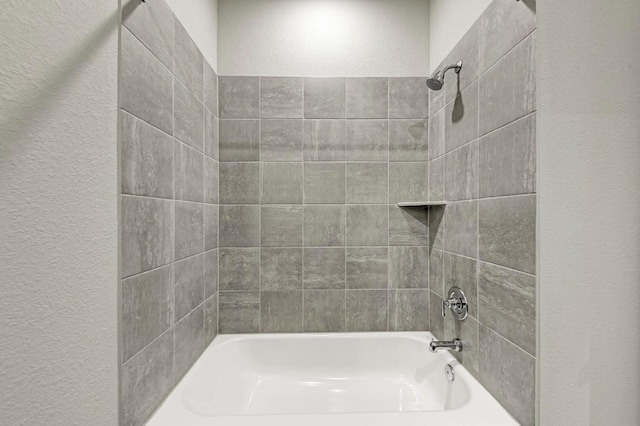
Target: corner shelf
x=422 y=203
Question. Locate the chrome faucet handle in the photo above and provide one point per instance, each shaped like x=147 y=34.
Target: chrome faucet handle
x=457 y=302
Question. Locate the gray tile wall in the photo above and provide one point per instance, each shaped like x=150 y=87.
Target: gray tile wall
x=310 y=236
x=169 y=206
x=482 y=161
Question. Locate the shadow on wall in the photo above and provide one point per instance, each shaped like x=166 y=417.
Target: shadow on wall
x=531 y=4
x=458 y=106
x=35 y=97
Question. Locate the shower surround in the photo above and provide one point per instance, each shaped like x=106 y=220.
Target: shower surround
x=482 y=160
x=310 y=236
x=310 y=171
x=168 y=206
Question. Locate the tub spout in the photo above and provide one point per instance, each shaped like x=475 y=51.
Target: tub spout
x=451 y=345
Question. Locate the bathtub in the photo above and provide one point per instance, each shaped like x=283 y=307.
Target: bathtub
x=370 y=379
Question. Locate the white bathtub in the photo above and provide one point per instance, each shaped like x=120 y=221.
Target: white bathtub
x=345 y=379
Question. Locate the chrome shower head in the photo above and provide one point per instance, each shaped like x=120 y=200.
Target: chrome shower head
x=437 y=81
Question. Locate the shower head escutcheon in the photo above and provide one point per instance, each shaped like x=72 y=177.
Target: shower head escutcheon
x=436 y=81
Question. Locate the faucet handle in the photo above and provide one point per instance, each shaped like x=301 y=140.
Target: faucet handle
x=457 y=302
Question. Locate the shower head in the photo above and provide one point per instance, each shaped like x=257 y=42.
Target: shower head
x=437 y=81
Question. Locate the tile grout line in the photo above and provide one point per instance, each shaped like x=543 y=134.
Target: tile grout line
x=346 y=212
x=173 y=275
x=302 y=286
x=260 y=185
x=388 y=203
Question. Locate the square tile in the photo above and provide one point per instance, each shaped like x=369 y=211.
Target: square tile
x=409 y=310
x=324 y=311
x=188 y=172
x=367 y=140
x=281 y=268
x=408 y=140
x=461 y=228
x=507 y=159
x=507 y=302
x=147 y=309
x=281 y=140
x=324 y=183
x=408 y=267
x=281 y=226
x=324 y=97
x=367 y=97
x=461 y=173
x=281 y=183
x=408 y=226
x=188 y=117
x=367 y=268
x=188 y=285
x=240 y=269
x=239 y=312
x=324 y=268
x=188 y=61
x=239 y=183
x=324 y=225
x=408 y=182
x=367 y=225
x=367 y=183
x=508 y=89
x=239 y=97
x=189 y=229
x=146 y=233
x=280 y=97
x=366 y=310
x=281 y=311
x=146 y=160
x=324 y=140
x=507 y=232
x=239 y=226
x=239 y=140
x=408 y=97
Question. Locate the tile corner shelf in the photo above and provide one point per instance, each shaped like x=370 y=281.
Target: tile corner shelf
x=422 y=203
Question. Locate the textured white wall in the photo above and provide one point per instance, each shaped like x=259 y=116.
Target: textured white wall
x=589 y=212
x=323 y=37
x=200 y=19
x=449 y=20
x=58 y=214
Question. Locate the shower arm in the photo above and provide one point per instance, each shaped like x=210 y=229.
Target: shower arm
x=457 y=67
